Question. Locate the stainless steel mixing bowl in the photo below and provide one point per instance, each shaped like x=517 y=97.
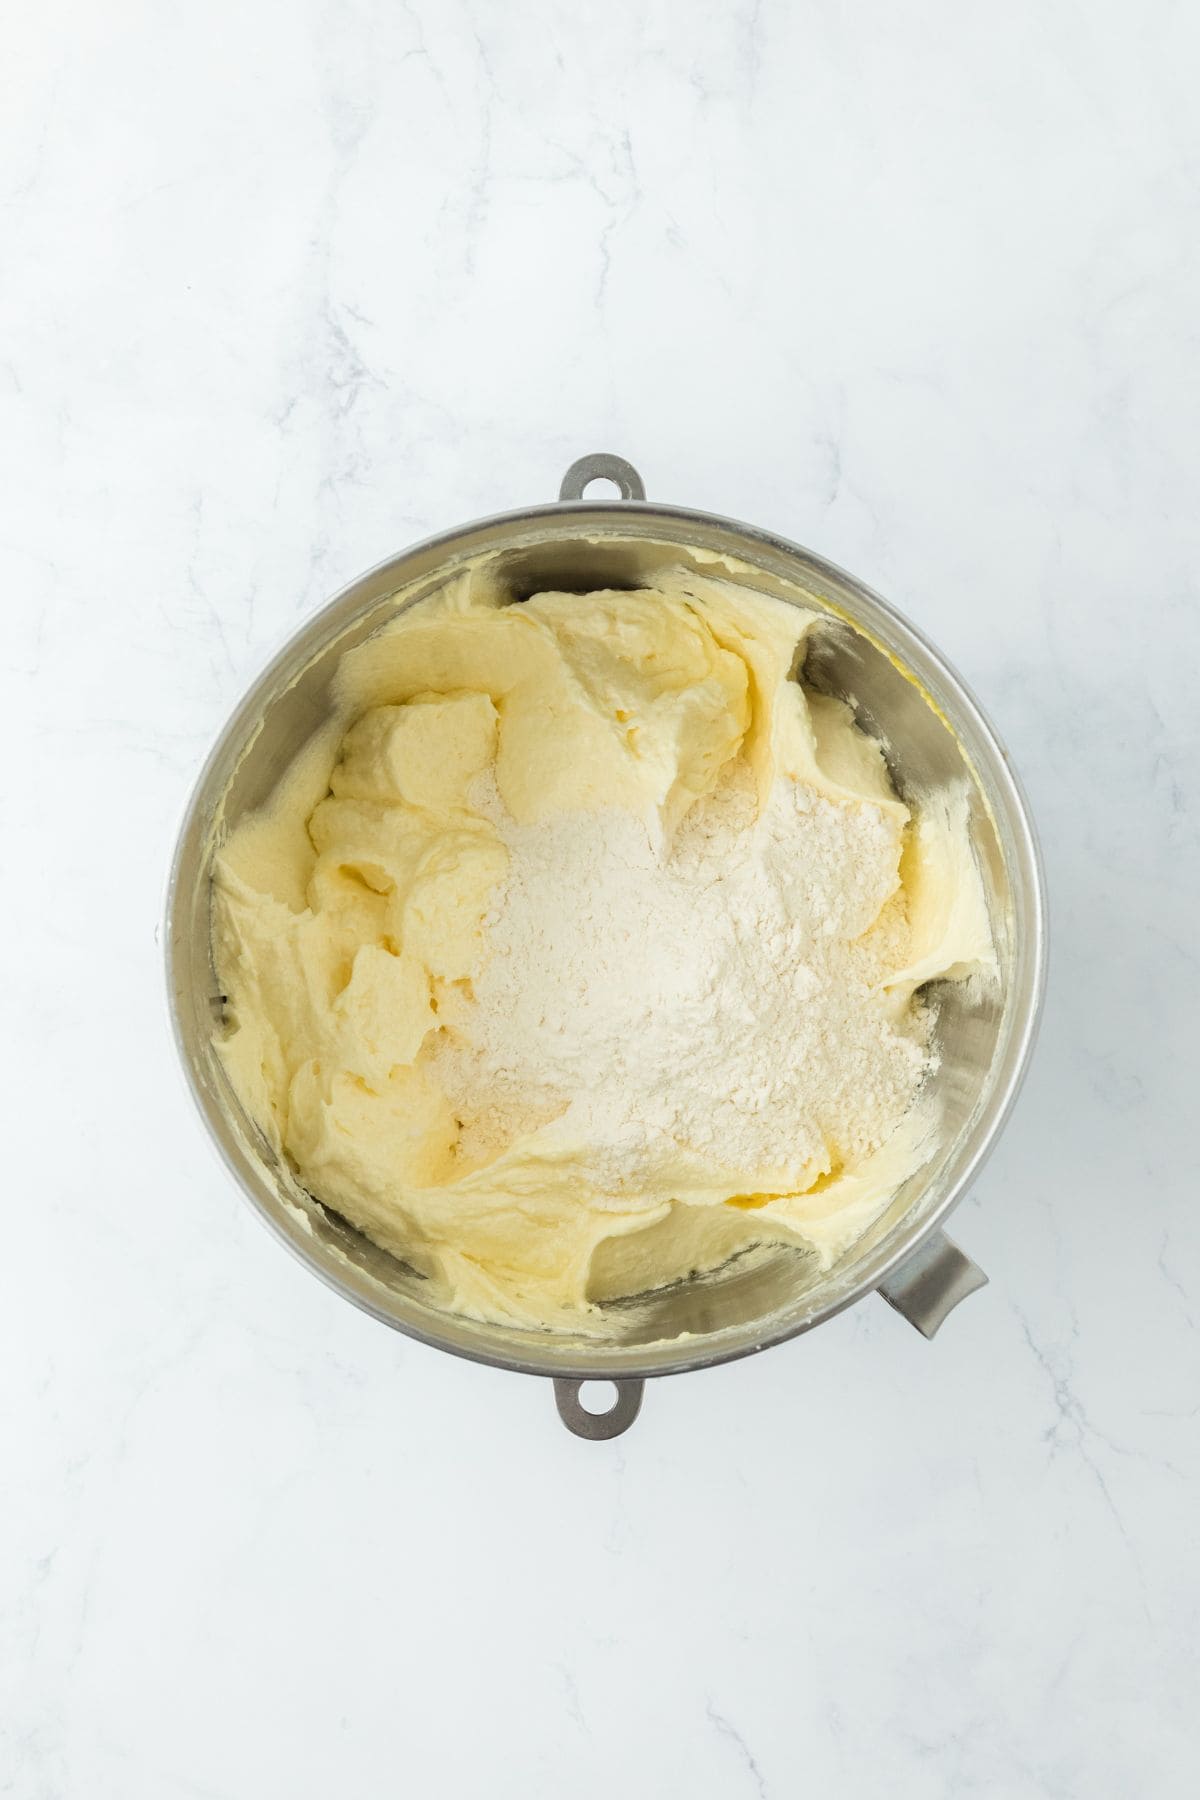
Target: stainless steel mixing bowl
x=933 y=731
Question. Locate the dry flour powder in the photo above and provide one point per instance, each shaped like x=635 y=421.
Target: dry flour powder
x=717 y=1004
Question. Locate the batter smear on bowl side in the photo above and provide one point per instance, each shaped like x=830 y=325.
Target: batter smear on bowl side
x=584 y=948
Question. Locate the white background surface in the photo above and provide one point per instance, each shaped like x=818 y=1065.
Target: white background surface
x=286 y=286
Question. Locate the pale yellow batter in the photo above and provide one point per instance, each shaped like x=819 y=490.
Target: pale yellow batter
x=350 y=925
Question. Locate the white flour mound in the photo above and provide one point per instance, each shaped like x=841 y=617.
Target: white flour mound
x=715 y=1005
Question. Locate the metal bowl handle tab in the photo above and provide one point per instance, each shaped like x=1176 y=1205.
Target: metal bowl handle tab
x=602 y=467
x=597 y=1426
x=929 y=1284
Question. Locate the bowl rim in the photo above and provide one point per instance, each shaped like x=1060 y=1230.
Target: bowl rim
x=575 y=1360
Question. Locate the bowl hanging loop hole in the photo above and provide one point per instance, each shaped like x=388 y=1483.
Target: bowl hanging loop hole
x=597 y=1425
x=600 y=466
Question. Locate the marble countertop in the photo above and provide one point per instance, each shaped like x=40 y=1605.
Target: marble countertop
x=287 y=286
